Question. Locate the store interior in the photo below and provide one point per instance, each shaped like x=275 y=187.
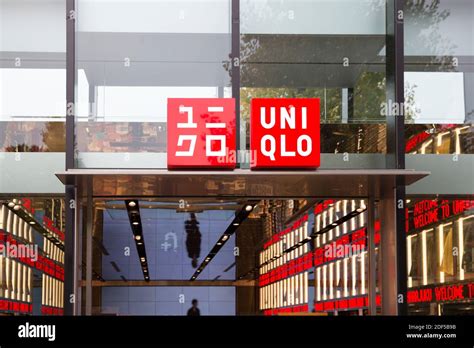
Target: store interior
x=154 y=256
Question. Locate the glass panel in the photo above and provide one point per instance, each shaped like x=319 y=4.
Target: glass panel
x=415 y=271
x=32 y=92
x=439 y=80
x=319 y=49
x=430 y=257
x=131 y=57
x=467 y=262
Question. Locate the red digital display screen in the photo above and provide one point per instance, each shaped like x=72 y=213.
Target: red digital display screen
x=441 y=293
x=429 y=212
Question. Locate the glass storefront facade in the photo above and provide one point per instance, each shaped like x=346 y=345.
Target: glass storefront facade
x=93 y=94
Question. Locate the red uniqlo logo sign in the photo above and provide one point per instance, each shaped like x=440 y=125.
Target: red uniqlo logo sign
x=284 y=133
x=201 y=133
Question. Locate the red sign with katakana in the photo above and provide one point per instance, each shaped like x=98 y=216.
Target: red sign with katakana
x=201 y=133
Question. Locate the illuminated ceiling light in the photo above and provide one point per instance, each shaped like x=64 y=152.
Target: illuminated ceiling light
x=11 y=204
x=198 y=271
x=334 y=224
x=235 y=224
x=408 y=200
x=135 y=223
x=138 y=237
x=219 y=243
x=225 y=237
x=142 y=258
x=132 y=204
x=16 y=207
x=32 y=222
x=248 y=207
x=359 y=210
x=139 y=243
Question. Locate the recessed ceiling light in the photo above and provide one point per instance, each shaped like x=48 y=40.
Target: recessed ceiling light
x=142 y=258
x=132 y=204
x=198 y=270
x=235 y=224
x=248 y=207
x=32 y=222
x=138 y=237
x=11 y=204
x=225 y=237
x=219 y=243
x=135 y=223
x=139 y=243
x=16 y=207
x=334 y=224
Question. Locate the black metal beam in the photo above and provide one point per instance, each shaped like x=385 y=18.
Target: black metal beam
x=133 y=210
x=396 y=137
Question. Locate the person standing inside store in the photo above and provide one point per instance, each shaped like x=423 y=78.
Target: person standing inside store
x=193 y=239
x=194 y=310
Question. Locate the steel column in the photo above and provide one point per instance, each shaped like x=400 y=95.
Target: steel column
x=393 y=239
x=235 y=67
x=70 y=275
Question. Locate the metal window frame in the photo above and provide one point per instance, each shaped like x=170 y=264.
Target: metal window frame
x=70 y=267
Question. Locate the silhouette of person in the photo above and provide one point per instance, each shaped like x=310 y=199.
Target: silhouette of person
x=193 y=239
x=194 y=310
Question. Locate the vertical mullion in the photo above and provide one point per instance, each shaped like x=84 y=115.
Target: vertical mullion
x=70 y=82
x=70 y=194
x=235 y=68
x=396 y=137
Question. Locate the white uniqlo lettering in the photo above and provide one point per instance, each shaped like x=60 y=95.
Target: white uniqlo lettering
x=263 y=119
x=189 y=123
x=192 y=145
x=288 y=118
x=268 y=143
x=220 y=138
x=191 y=138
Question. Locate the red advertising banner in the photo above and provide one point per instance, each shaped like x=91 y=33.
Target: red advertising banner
x=284 y=133
x=201 y=133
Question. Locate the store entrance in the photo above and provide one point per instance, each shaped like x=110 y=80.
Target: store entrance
x=240 y=242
